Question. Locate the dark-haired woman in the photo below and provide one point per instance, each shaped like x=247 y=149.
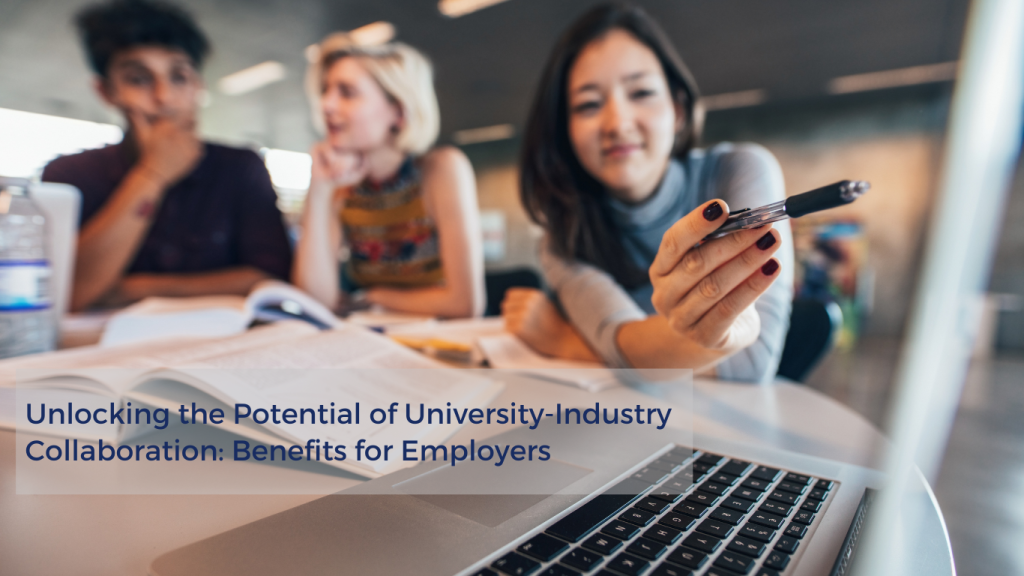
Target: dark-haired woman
x=610 y=172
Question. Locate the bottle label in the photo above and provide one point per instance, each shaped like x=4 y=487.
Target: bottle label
x=24 y=285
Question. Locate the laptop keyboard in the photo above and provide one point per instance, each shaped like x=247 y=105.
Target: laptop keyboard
x=686 y=513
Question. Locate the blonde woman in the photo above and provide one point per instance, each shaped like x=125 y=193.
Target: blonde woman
x=405 y=213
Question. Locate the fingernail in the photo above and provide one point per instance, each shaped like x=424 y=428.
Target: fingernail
x=766 y=241
x=769 y=267
x=713 y=211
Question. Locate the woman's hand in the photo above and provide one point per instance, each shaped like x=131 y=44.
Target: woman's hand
x=706 y=293
x=530 y=316
x=333 y=169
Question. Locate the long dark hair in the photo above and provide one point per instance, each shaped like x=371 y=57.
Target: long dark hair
x=556 y=191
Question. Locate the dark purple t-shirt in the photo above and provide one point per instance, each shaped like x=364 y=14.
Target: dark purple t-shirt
x=222 y=215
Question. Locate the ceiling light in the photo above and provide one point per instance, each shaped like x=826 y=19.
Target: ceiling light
x=892 y=78
x=485 y=134
x=456 y=8
x=373 y=34
x=252 y=78
x=734 y=99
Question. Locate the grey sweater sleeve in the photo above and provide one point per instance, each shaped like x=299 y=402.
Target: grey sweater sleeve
x=593 y=302
x=749 y=176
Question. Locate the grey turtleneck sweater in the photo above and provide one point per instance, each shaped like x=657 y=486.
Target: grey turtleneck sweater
x=745 y=176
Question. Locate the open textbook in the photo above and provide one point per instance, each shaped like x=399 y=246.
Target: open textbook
x=288 y=364
x=213 y=316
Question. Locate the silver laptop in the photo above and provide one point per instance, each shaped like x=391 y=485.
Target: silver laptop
x=648 y=503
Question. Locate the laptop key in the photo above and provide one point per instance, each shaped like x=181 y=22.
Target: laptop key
x=654 y=505
x=670 y=570
x=798 y=478
x=663 y=534
x=736 y=467
x=723 y=478
x=650 y=475
x=759 y=533
x=691 y=508
x=646 y=548
x=581 y=559
x=667 y=494
x=543 y=547
x=602 y=544
x=681 y=522
x=791 y=487
x=683 y=556
x=628 y=564
x=666 y=465
x=679 y=454
x=776 y=508
x=817 y=494
x=559 y=570
x=701 y=467
x=777 y=561
x=620 y=529
x=757 y=484
x=711 y=459
x=637 y=516
x=515 y=564
x=811 y=505
x=584 y=519
x=804 y=517
x=735 y=562
x=765 y=473
x=795 y=530
x=715 y=528
x=745 y=546
x=702 y=498
x=747 y=493
x=766 y=572
x=738 y=504
x=787 y=544
x=702 y=542
x=784 y=497
x=485 y=572
x=767 y=519
x=713 y=487
x=823 y=484
x=727 y=515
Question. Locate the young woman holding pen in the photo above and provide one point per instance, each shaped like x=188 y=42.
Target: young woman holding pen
x=611 y=172
x=406 y=214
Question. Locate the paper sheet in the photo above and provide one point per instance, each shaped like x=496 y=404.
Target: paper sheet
x=507 y=352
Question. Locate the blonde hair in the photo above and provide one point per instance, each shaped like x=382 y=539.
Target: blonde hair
x=403 y=72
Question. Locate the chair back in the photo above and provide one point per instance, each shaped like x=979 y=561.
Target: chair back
x=813 y=326
x=497 y=283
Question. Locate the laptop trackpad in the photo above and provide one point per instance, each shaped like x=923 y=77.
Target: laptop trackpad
x=488 y=494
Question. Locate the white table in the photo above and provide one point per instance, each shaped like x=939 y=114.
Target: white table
x=113 y=535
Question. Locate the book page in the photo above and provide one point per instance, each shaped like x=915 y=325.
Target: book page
x=343 y=366
x=510 y=353
x=135 y=360
x=159 y=318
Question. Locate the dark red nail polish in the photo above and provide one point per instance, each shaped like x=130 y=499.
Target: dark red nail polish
x=769 y=267
x=766 y=241
x=713 y=211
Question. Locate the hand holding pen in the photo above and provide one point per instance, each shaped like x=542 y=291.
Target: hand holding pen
x=831 y=196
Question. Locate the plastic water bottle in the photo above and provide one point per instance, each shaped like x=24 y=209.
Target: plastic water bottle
x=27 y=322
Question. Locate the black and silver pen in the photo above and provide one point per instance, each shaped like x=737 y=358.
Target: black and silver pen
x=823 y=198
